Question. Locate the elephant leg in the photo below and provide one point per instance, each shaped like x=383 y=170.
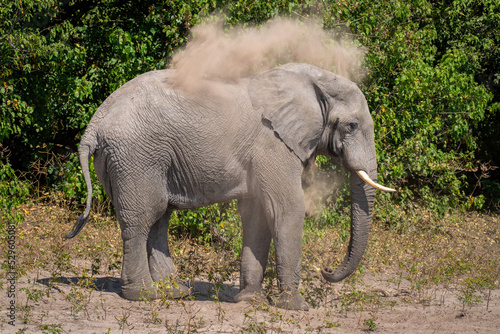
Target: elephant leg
x=160 y=262
x=283 y=202
x=140 y=203
x=161 y=265
x=288 y=247
x=256 y=242
x=136 y=278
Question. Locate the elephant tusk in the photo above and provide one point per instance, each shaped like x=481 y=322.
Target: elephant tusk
x=375 y=185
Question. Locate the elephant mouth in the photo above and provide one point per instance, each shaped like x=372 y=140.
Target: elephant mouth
x=364 y=176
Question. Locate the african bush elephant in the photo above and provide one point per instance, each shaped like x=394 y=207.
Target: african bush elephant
x=158 y=147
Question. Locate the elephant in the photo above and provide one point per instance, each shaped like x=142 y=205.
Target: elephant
x=159 y=147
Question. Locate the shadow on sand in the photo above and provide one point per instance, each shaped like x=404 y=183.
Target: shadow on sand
x=201 y=290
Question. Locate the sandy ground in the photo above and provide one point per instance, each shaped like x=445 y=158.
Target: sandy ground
x=57 y=299
x=69 y=308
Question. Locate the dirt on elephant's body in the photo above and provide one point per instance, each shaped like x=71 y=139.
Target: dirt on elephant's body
x=440 y=276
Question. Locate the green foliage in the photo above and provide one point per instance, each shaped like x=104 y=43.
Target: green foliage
x=215 y=223
x=426 y=102
x=370 y=324
x=51 y=328
x=13 y=192
x=63 y=59
x=432 y=83
x=66 y=177
x=245 y=12
x=473 y=26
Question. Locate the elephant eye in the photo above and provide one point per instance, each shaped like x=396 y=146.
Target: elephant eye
x=352 y=126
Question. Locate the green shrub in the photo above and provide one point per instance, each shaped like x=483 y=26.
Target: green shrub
x=13 y=192
x=431 y=81
x=426 y=102
x=67 y=178
x=219 y=223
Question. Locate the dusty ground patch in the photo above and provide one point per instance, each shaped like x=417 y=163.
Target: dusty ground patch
x=438 y=277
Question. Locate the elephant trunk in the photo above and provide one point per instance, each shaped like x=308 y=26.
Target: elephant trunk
x=362 y=198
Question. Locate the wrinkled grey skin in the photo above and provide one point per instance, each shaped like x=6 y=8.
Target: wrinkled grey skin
x=157 y=149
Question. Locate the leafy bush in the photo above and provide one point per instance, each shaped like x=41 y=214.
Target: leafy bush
x=66 y=177
x=13 y=192
x=62 y=60
x=218 y=223
x=427 y=105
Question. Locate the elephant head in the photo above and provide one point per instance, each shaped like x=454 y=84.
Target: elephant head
x=317 y=112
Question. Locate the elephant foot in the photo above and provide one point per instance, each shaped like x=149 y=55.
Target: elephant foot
x=251 y=295
x=292 y=300
x=170 y=290
x=136 y=293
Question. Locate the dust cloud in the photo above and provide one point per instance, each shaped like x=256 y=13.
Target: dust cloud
x=213 y=53
x=320 y=188
x=229 y=55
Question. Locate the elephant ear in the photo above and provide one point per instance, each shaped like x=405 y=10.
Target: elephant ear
x=293 y=104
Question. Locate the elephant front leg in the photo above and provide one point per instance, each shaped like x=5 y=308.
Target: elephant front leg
x=161 y=265
x=256 y=242
x=288 y=247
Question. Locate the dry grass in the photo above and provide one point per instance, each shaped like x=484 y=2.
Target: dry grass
x=431 y=263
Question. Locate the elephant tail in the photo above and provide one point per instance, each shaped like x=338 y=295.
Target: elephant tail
x=85 y=152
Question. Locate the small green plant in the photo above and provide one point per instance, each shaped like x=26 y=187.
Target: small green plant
x=370 y=324
x=22 y=330
x=251 y=322
x=25 y=313
x=396 y=281
x=43 y=315
x=51 y=329
x=221 y=313
x=155 y=318
x=254 y=327
x=63 y=260
x=468 y=292
x=34 y=295
x=80 y=296
x=331 y=324
x=123 y=320
x=191 y=312
x=217 y=275
x=164 y=299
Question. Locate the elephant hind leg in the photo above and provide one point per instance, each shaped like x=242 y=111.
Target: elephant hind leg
x=141 y=204
x=159 y=259
x=136 y=279
x=161 y=265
